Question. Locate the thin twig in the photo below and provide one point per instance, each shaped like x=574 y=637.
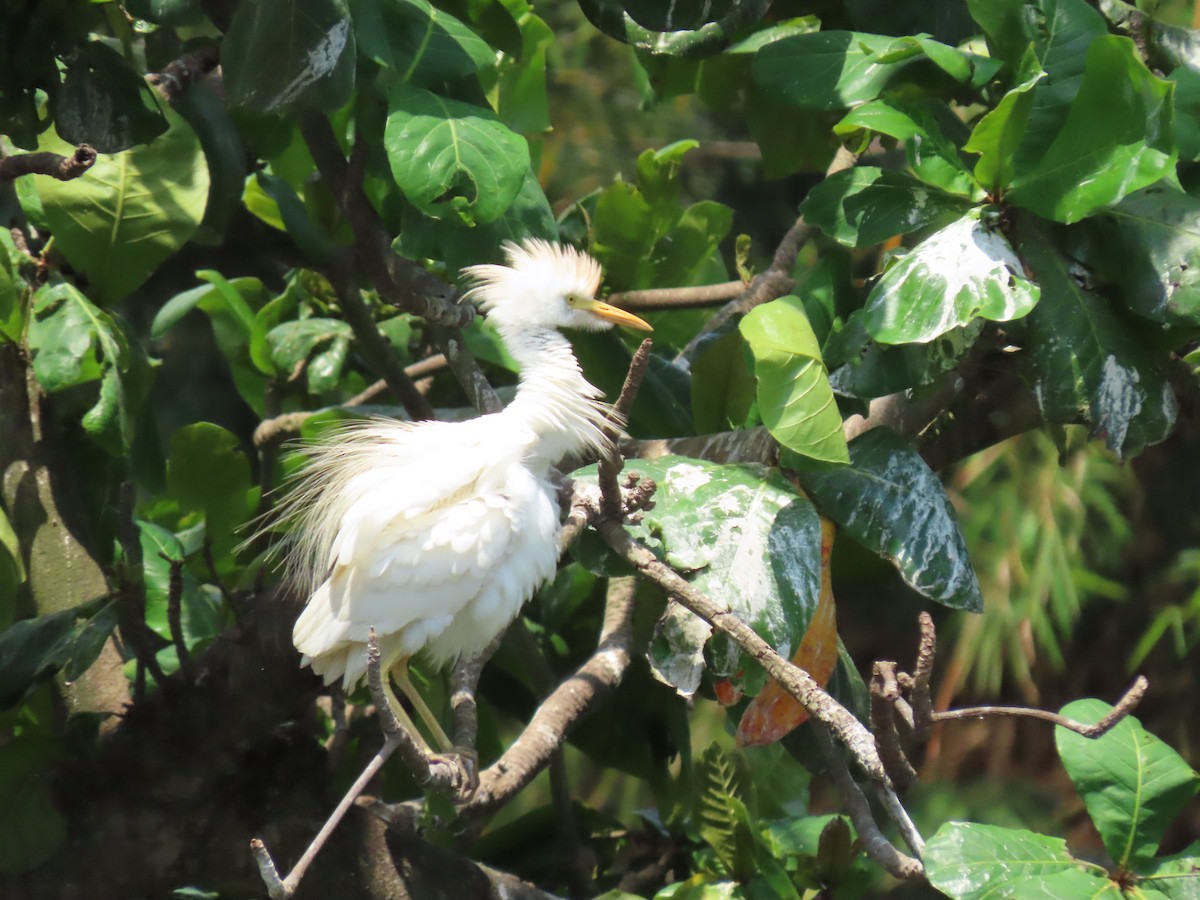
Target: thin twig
x=922 y=700
x=885 y=692
x=64 y=168
x=611 y=460
x=1123 y=707
x=878 y=847
x=175 y=616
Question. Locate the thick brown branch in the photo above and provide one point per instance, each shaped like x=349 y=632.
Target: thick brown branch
x=64 y=168
x=479 y=392
x=547 y=730
x=678 y=298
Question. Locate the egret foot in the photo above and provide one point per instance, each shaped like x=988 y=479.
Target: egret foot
x=458 y=769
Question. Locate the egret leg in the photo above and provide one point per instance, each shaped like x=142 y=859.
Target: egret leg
x=403 y=717
x=400 y=673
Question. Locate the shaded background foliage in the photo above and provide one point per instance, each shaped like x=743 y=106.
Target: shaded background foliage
x=192 y=285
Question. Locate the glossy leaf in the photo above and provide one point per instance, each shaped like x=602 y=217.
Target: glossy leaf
x=967 y=861
x=1115 y=140
x=453 y=160
x=1132 y=783
x=998 y=134
x=967 y=269
x=1148 y=246
x=864 y=206
x=828 y=69
x=105 y=103
x=743 y=536
x=423 y=44
x=283 y=54
x=1091 y=366
x=892 y=503
x=774 y=712
x=131 y=212
x=876 y=370
x=794 y=397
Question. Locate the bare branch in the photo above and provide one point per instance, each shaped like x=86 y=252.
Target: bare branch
x=820 y=705
x=922 y=701
x=546 y=731
x=180 y=74
x=464 y=680
x=611 y=460
x=678 y=298
x=64 y=168
x=465 y=368
x=885 y=692
x=1123 y=707
x=878 y=847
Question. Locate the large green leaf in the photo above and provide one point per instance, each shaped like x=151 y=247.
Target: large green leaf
x=224 y=154
x=864 y=206
x=742 y=535
x=207 y=473
x=293 y=342
x=828 y=69
x=891 y=502
x=967 y=269
x=32 y=650
x=1132 y=783
x=794 y=397
x=518 y=93
x=199 y=611
x=283 y=54
x=1089 y=364
x=876 y=370
x=723 y=385
x=998 y=134
x=1148 y=245
x=1117 y=138
x=453 y=160
x=76 y=342
x=421 y=42
x=967 y=861
x=130 y=211
x=105 y=103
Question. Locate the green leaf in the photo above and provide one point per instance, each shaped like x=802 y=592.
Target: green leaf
x=1177 y=876
x=998 y=134
x=519 y=94
x=933 y=157
x=721 y=815
x=12 y=313
x=283 y=54
x=310 y=237
x=31 y=828
x=1148 y=246
x=293 y=342
x=207 y=473
x=743 y=536
x=423 y=44
x=828 y=69
x=967 y=861
x=1091 y=364
x=1187 y=112
x=892 y=503
x=1132 y=783
x=453 y=160
x=75 y=342
x=224 y=155
x=32 y=650
x=167 y=12
x=200 y=616
x=11 y=544
x=864 y=206
x=876 y=370
x=794 y=397
x=967 y=269
x=229 y=305
x=1116 y=138
x=105 y=103
x=131 y=211
x=723 y=386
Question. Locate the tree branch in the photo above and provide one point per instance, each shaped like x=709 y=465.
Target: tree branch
x=64 y=168
x=678 y=298
x=180 y=74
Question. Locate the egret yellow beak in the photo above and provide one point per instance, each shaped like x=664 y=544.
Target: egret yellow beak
x=613 y=314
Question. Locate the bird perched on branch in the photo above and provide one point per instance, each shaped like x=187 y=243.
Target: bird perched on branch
x=436 y=533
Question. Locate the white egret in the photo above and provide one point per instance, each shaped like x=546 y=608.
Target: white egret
x=436 y=533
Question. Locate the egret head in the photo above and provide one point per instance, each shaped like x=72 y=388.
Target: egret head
x=545 y=285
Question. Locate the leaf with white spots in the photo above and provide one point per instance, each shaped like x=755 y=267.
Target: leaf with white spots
x=741 y=534
x=1090 y=364
x=967 y=861
x=892 y=503
x=964 y=271
x=283 y=54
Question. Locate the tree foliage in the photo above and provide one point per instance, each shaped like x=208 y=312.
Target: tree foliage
x=962 y=221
